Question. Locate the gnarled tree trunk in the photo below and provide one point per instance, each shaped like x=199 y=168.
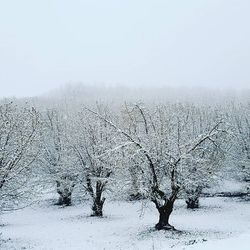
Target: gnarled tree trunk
x=96 y=194
x=65 y=188
x=97 y=207
x=164 y=214
x=166 y=209
x=192 y=202
x=193 y=196
x=98 y=201
x=64 y=200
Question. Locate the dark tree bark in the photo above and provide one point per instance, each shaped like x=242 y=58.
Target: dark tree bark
x=193 y=196
x=98 y=201
x=64 y=188
x=166 y=209
x=192 y=203
x=97 y=207
x=164 y=214
x=64 y=200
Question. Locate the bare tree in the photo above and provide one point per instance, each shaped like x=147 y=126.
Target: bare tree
x=240 y=117
x=58 y=158
x=160 y=137
x=18 y=134
x=210 y=158
x=93 y=144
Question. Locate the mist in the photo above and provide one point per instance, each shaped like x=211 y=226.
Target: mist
x=181 y=44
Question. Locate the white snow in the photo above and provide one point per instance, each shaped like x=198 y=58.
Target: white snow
x=219 y=224
x=241 y=242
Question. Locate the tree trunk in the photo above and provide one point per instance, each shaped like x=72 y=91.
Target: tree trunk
x=97 y=207
x=98 y=201
x=65 y=187
x=193 y=202
x=166 y=209
x=164 y=214
x=64 y=200
x=192 y=197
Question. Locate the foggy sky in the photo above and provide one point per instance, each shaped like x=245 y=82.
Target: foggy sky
x=46 y=43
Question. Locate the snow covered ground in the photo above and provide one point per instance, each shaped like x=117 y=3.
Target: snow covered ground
x=220 y=223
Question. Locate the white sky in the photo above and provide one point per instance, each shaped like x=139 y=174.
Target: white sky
x=176 y=42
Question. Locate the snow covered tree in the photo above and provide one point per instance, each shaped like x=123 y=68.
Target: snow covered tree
x=240 y=115
x=58 y=157
x=210 y=158
x=19 y=128
x=134 y=163
x=93 y=141
x=162 y=137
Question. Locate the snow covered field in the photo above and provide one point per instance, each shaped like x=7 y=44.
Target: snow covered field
x=220 y=223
